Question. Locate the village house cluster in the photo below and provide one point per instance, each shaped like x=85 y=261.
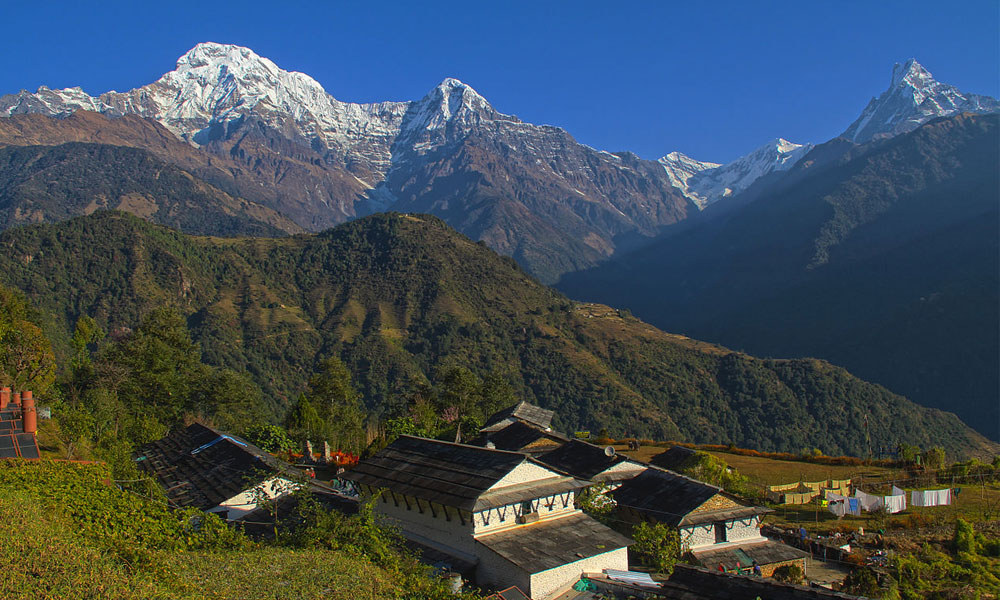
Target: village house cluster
x=503 y=511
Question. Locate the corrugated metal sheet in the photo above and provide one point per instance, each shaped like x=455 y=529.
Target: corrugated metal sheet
x=633 y=577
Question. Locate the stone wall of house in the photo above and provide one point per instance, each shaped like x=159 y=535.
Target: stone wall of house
x=698 y=535
x=551 y=583
x=768 y=570
x=716 y=502
x=743 y=529
x=737 y=530
x=503 y=517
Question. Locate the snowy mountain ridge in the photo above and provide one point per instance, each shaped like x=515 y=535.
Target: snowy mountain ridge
x=913 y=98
x=705 y=183
x=216 y=86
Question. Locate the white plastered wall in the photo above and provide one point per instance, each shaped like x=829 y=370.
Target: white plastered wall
x=553 y=582
x=526 y=472
x=505 y=517
x=245 y=502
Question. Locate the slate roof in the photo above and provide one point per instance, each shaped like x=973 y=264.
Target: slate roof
x=201 y=467
x=522 y=411
x=549 y=544
x=517 y=436
x=581 y=459
x=743 y=555
x=663 y=495
x=697 y=583
x=447 y=473
x=725 y=514
x=672 y=458
x=14 y=443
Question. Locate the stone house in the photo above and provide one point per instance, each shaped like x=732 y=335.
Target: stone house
x=523 y=427
x=714 y=528
x=506 y=515
x=204 y=468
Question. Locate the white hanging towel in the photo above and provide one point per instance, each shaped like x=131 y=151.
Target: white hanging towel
x=895 y=503
x=931 y=497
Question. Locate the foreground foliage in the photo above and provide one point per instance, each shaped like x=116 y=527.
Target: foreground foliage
x=71 y=533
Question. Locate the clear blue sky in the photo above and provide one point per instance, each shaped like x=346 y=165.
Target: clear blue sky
x=711 y=79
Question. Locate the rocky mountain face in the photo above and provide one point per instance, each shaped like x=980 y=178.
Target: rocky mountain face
x=530 y=190
x=913 y=98
x=881 y=257
x=54 y=183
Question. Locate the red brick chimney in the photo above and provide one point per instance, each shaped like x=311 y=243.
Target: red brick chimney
x=4 y=397
x=17 y=399
x=30 y=416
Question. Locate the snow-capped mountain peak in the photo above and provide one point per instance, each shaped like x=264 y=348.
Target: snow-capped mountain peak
x=910 y=73
x=913 y=98
x=220 y=82
x=705 y=182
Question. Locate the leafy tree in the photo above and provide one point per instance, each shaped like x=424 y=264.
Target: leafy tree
x=497 y=394
x=595 y=502
x=162 y=367
x=934 y=458
x=26 y=358
x=304 y=421
x=82 y=372
x=338 y=404
x=269 y=438
x=230 y=399
x=656 y=545
x=908 y=453
x=712 y=469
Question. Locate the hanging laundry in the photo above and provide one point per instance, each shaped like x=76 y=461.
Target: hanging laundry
x=854 y=507
x=837 y=504
x=895 y=503
x=869 y=502
x=931 y=497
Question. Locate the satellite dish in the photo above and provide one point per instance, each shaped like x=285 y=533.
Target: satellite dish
x=609 y=451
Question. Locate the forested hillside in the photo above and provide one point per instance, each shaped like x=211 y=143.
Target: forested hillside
x=410 y=305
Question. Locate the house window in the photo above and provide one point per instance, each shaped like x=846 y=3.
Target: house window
x=720 y=532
